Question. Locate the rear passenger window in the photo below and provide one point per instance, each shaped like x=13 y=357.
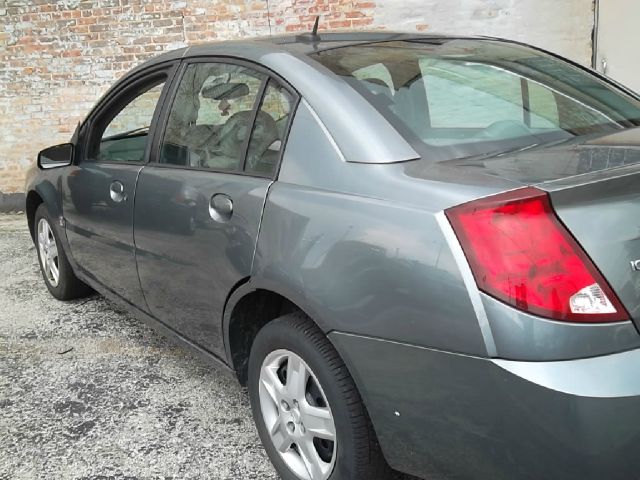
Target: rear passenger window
x=211 y=117
x=269 y=130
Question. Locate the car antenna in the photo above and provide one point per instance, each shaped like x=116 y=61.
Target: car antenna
x=311 y=36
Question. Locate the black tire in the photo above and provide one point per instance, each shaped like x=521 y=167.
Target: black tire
x=69 y=286
x=358 y=454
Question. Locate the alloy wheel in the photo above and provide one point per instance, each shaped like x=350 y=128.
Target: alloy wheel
x=48 y=249
x=297 y=415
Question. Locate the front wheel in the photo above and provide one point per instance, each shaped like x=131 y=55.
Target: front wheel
x=54 y=265
x=308 y=412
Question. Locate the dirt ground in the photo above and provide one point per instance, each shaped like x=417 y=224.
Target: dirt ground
x=88 y=392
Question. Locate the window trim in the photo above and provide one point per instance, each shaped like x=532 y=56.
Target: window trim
x=283 y=142
x=110 y=101
x=254 y=114
x=163 y=118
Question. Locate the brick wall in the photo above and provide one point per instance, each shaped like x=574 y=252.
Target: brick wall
x=58 y=56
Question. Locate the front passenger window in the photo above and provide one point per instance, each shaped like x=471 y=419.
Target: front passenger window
x=211 y=117
x=122 y=135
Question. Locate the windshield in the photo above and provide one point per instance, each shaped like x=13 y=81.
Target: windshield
x=455 y=98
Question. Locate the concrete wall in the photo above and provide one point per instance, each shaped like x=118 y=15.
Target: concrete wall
x=58 y=56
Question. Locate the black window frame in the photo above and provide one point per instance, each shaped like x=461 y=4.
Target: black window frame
x=269 y=74
x=293 y=106
x=112 y=104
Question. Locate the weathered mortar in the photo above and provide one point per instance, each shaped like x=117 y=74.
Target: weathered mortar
x=59 y=56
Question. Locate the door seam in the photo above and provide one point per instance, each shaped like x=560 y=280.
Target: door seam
x=135 y=246
x=255 y=244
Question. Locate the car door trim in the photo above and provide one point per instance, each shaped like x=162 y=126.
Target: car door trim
x=254 y=114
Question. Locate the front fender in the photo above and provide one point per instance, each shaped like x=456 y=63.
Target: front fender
x=47 y=184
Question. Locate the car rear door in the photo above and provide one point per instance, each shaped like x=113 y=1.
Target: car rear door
x=199 y=202
x=98 y=195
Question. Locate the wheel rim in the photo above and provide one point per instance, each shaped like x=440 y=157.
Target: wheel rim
x=297 y=415
x=48 y=252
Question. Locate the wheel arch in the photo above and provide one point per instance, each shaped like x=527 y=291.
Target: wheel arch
x=251 y=306
x=32 y=203
x=45 y=192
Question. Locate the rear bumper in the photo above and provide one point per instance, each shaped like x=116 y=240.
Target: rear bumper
x=455 y=416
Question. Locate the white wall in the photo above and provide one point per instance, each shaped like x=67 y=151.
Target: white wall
x=561 y=26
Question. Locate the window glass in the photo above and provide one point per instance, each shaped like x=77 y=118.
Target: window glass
x=211 y=116
x=376 y=74
x=269 y=130
x=470 y=96
x=124 y=137
x=455 y=98
x=543 y=107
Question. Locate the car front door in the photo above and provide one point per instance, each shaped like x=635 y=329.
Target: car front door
x=199 y=204
x=99 y=190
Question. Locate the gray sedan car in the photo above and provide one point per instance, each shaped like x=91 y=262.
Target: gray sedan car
x=419 y=253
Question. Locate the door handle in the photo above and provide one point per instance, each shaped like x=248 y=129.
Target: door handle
x=116 y=191
x=220 y=207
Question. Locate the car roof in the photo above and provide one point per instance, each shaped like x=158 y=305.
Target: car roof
x=302 y=44
x=357 y=129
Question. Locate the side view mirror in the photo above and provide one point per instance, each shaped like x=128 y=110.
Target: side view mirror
x=57 y=156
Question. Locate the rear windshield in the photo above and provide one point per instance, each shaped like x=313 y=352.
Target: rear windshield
x=458 y=98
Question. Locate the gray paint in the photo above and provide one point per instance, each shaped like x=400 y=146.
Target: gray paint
x=187 y=261
x=363 y=249
x=610 y=233
x=521 y=336
x=100 y=230
x=469 y=282
x=576 y=377
x=445 y=415
x=351 y=269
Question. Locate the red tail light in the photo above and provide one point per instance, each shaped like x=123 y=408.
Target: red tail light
x=520 y=253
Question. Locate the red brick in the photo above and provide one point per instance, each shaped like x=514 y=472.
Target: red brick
x=58 y=60
x=340 y=24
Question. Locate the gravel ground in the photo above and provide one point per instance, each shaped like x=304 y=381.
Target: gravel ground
x=88 y=392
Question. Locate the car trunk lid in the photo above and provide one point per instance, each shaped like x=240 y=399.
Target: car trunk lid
x=602 y=211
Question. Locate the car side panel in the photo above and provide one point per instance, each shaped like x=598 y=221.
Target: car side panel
x=448 y=416
x=99 y=229
x=47 y=184
x=337 y=199
x=356 y=263
x=188 y=260
x=366 y=266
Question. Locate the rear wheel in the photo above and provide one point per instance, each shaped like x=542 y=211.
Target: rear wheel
x=307 y=409
x=54 y=265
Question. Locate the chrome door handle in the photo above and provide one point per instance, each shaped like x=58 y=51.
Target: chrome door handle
x=116 y=191
x=220 y=207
